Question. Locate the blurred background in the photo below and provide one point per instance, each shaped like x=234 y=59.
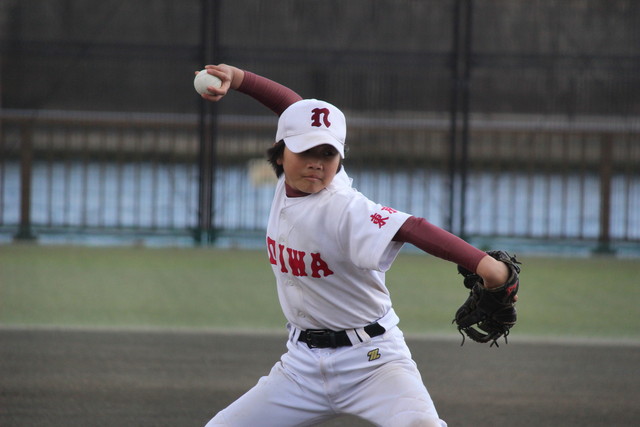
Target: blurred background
x=511 y=121
x=123 y=196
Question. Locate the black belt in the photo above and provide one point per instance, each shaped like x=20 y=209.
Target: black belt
x=326 y=338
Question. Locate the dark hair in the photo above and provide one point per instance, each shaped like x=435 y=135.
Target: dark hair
x=276 y=152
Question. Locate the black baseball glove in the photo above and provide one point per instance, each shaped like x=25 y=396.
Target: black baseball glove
x=489 y=314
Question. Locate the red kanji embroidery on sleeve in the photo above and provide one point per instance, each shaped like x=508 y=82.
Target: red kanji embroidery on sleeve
x=390 y=210
x=379 y=220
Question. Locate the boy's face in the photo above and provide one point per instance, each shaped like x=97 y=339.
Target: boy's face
x=312 y=170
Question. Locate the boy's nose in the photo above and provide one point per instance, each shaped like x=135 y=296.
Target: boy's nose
x=315 y=164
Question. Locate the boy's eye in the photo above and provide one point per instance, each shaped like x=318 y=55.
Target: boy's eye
x=327 y=151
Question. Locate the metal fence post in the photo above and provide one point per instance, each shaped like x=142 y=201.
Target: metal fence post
x=459 y=132
x=466 y=92
x=26 y=161
x=606 y=170
x=453 y=115
x=206 y=233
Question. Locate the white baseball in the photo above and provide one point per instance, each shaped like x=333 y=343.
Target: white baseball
x=204 y=80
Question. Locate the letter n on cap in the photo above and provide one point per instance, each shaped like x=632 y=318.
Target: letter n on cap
x=320 y=113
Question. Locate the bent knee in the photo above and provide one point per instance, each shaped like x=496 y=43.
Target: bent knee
x=425 y=422
x=417 y=420
x=217 y=421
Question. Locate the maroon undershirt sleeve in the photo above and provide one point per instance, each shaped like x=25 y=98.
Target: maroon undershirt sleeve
x=438 y=242
x=272 y=95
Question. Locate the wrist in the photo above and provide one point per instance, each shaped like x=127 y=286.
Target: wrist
x=237 y=77
x=494 y=273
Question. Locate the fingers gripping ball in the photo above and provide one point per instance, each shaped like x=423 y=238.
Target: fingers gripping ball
x=489 y=314
x=203 y=80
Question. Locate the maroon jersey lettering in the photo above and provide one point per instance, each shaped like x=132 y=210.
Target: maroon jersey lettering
x=283 y=268
x=296 y=262
x=271 y=247
x=319 y=265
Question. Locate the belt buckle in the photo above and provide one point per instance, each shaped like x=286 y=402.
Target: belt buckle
x=320 y=334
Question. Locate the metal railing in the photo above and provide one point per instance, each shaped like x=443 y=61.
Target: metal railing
x=135 y=173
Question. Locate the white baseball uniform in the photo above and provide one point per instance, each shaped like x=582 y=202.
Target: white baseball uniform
x=329 y=252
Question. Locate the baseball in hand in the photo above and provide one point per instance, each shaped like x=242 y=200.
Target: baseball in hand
x=203 y=80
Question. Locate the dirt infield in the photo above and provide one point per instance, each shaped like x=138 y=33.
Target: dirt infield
x=176 y=378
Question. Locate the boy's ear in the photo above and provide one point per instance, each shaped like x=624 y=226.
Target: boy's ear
x=279 y=161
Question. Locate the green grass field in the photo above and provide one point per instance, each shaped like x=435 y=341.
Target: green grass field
x=211 y=288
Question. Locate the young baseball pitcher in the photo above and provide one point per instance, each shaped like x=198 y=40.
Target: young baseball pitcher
x=329 y=247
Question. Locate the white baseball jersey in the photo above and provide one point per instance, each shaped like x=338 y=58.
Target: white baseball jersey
x=329 y=252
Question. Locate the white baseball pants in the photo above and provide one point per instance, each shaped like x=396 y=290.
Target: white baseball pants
x=376 y=380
